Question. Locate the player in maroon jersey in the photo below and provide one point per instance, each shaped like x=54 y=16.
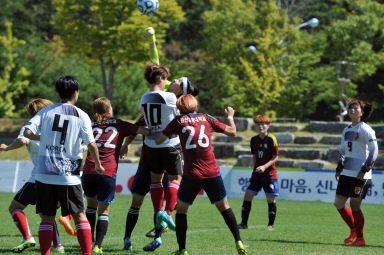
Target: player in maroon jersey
x=265 y=154
x=201 y=170
x=109 y=134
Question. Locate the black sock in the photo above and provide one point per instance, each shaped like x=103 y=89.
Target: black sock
x=91 y=216
x=271 y=213
x=132 y=217
x=181 y=230
x=245 y=210
x=230 y=220
x=101 y=228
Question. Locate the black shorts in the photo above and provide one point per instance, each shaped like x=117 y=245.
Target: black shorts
x=142 y=182
x=26 y=195
x=157 y=160
x=98 y=186
x=189 y=188
x=347 y=187
x=50 y=196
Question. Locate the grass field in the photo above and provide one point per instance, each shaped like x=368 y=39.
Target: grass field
x=301 y=228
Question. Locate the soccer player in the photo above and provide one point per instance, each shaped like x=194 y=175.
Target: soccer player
x=27 y=194
x=201 y=170
x=358 y=152
x=99 y=189
x=63 y=127
x=159 y=108
x=265 y=154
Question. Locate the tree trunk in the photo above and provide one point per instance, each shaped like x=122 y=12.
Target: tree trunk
x=103 y=76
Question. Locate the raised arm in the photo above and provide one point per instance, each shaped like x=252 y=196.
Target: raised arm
x=230 y=129
x=149 y=33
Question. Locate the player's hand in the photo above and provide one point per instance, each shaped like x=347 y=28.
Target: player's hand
x=123 y=152
x=100 y=169
x=229 y=112
x=3 y=147
x=149 y=32
x=337 y=176
x=260 y=169
x=360 y=175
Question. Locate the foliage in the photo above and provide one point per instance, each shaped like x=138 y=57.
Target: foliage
x=109 y=32
x=12 y=81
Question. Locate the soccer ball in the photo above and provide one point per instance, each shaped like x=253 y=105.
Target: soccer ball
x=148 y=7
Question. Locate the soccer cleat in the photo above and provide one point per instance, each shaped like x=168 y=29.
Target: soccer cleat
x=97 y=250
x=182 y=252
x=241 y=226
x=67 y=225
x=59 y=249
x=151 y=233
x=153 y=245
x=167 y=218
x=360 y=241
x=269 y=228
x=27 y=243
x=240 y=248
x=351 y=236
x=127 y=244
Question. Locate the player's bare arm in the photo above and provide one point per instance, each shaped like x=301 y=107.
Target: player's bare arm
x=124 y=148
x=92 y=148
x=161 y=138
x=230 y=129
x=29 y=134
x=19 y=142
x=262 y=168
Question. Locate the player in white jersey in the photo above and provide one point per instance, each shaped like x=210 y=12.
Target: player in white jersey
x=358 y=152
x=27 y=194
x=63 y=127
x=159 y=108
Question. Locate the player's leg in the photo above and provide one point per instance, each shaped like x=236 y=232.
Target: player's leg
x=181 y=226
x=90 y=186
x=105 y=196
x=214 y=187
x=343 y=191
x=271 y=189
x=358 y=215
x=59 y=248
x=72 y=202
x=252 y=190
x=24 y=197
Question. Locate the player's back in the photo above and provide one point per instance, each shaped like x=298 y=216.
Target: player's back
x=62 y=128
x=109 y=136
x=159 y=108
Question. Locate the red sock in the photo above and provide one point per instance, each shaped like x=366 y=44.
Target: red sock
x=21 y=223
x=171 y=197
x=359 y=222
x=56 y=237
x=45 y=237
x=157 y=195
x=84 y=236
x=347 y=216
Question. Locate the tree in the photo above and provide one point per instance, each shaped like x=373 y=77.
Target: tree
x=12 y=81
x=110 y=32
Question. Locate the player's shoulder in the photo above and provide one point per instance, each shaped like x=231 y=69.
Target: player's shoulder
x=272 y=138
x=367 y=128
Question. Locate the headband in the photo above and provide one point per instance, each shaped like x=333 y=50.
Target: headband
x=185 y=85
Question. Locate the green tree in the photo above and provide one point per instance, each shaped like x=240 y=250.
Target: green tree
x=12 y=80
x=109 y=33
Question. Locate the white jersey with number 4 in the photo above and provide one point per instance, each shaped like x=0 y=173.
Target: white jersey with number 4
x=33 y=150
x=62 y=127
x=159 y=108
x=359 y=147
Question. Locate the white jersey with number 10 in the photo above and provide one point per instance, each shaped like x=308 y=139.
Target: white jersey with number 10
x=159 y=108
x=62 y=127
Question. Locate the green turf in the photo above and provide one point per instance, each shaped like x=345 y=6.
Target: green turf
x=301 y=228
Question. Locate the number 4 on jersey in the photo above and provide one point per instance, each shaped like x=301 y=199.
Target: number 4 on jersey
x=62 y=129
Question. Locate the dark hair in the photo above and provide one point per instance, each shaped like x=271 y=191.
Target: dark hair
x=101 y=108
x=366 y=107
x=66 y=86
x=153 y=72
x=192 y=89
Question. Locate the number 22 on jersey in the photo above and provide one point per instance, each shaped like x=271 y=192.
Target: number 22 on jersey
x=108 y=143
x=203 y=140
